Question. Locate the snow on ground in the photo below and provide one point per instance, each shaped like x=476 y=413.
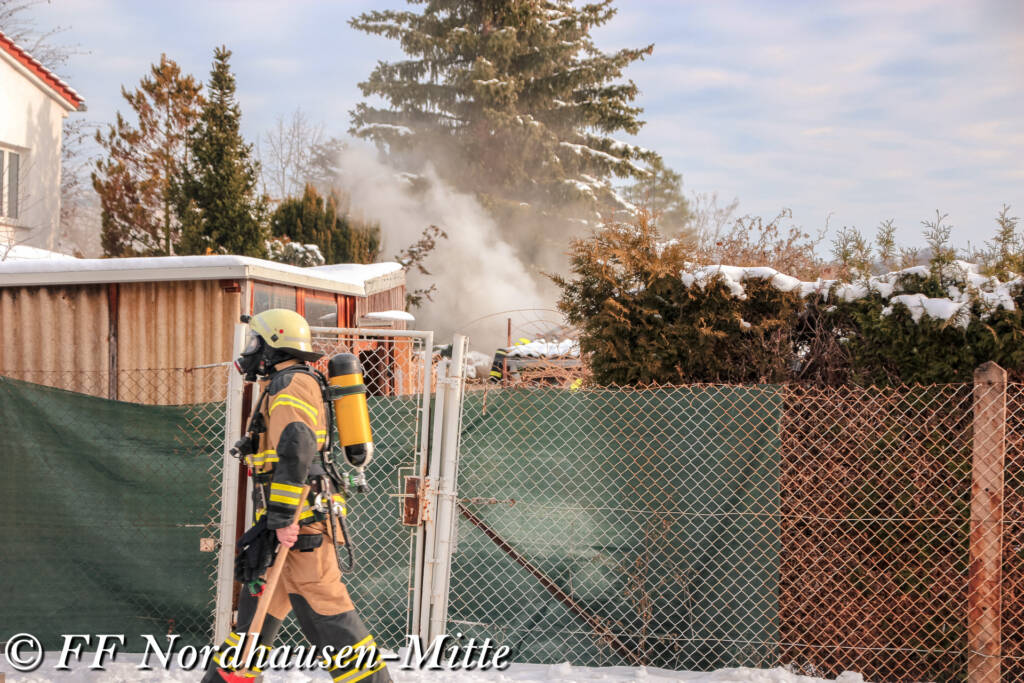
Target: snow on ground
x=125 y=671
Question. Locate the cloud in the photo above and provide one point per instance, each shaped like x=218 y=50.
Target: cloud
x=868 y=109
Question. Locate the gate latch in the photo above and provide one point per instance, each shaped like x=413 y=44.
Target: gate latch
x=412 y=508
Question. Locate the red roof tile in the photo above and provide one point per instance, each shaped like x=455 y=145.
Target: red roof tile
x=59 y=87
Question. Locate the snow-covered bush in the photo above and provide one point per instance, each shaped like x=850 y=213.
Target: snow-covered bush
x=648 y=314
x=283 y=250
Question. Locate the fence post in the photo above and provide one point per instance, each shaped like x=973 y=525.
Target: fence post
x=229 y=494
x=422 y=455
x=446 y=492
x=423 y=587
x=984 y=589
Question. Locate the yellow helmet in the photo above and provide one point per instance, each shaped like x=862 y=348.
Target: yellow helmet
x=285 y=330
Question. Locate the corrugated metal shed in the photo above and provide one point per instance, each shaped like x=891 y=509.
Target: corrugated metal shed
x=146 y=323
x=42 y=326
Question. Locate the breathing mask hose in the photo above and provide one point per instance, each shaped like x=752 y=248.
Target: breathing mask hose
x=351 y=415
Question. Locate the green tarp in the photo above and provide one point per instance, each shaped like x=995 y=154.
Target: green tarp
x=103 y=506
x=654 y=512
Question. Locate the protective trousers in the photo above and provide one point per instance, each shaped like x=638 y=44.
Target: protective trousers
x=311 y=585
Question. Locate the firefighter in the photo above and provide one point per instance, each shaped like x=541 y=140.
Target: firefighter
x=292 y=427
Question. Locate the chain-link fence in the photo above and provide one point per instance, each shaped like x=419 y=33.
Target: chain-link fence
x=872 y=529
x=701 y=527
x=381 y=584
x=113 y=488
x=110 y=496
x=1011 y=605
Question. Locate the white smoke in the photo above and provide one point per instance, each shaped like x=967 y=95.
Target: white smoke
x=476 y=272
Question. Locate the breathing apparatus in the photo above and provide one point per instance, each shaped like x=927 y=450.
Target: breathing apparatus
x=277 y=335
x=348 y=395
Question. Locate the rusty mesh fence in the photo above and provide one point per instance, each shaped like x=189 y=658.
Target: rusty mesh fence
x=111 y=496
x=381 y=582
x=701 y=527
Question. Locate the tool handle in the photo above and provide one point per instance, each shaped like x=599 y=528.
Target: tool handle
x=268 y=588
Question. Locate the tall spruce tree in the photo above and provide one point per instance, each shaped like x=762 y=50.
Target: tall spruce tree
x=143 y=160
x=217 y=201
x=509 y=99
x=314 y=219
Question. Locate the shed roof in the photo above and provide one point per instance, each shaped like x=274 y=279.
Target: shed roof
x=350 y=278
x=23 y=252
x=57 y=87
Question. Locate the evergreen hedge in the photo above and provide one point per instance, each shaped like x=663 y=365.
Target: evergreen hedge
x=645 y=318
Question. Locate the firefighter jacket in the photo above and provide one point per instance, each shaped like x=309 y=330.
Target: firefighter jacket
x=296 y=425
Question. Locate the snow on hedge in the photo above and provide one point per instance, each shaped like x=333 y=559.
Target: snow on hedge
x=990 y=291
x=733 y=276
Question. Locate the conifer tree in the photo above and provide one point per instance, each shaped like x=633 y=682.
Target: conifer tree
x=661 y=193
x=508 y=99
x=134 y=180
x=314 y=219
x=217 y=200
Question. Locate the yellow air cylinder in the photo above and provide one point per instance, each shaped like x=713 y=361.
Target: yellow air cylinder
x=345 y=375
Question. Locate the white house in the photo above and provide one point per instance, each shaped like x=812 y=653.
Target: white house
x=33 y=104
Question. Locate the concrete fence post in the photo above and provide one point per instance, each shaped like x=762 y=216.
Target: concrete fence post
x=984 y=592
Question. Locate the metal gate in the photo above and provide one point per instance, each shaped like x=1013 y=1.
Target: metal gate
x=398 y=372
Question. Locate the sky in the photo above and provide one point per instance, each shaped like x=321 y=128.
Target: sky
x=846 y=112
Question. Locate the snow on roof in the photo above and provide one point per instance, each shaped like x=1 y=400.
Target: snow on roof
x=989 y=290
x=358 y=272
x=352 y=279
x=22 y=252
x=58 y=87
x=391 y=315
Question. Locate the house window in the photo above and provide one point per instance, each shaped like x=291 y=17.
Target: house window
x=10 y=172
x=265 y=297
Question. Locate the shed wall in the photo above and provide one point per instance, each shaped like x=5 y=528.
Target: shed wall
x=60 y=336
x=172 y=327
x=57 y=336
x=388 y=300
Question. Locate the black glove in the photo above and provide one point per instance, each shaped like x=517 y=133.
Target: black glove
x=255 y=553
